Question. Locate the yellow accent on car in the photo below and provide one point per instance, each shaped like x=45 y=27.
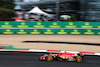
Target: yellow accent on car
x=63 y=57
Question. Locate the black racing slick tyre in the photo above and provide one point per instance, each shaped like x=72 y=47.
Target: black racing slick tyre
x=49 y=58
x=78 y=59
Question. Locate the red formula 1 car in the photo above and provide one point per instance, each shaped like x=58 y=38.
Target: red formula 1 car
x=63 y=57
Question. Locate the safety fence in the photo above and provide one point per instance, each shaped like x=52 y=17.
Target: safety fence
x=50 y=24
x=50 y=31
x=87 y=28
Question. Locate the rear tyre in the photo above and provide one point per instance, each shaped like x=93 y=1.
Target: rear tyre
x=78 y=59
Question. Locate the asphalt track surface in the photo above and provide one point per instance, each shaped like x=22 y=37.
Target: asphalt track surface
x=16 y=59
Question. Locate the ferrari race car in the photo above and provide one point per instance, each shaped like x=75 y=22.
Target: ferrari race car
x=66 y=56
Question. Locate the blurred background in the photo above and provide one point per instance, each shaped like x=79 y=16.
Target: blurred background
x=58 y=10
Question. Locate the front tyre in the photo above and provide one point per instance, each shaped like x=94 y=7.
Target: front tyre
x=49 y=58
